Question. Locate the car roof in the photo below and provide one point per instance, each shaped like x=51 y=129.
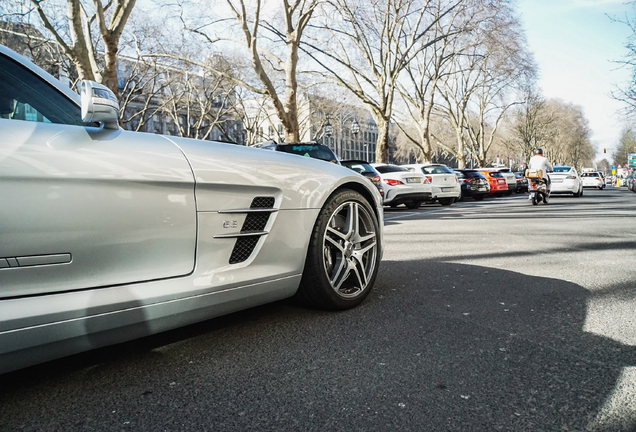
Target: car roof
x=424 y=164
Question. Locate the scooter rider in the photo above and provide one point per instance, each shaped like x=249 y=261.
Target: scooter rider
x=540 y=162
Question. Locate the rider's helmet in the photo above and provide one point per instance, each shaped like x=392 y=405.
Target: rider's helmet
x=538 y=151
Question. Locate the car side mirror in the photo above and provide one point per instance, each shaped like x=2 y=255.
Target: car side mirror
x=99 y=104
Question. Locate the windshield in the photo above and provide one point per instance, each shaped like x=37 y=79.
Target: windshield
x=437 y=169
x=562 y=169
x=383 y=169
x=469 y=174
x=316 y=151
x=359 y=167
x=590 y=174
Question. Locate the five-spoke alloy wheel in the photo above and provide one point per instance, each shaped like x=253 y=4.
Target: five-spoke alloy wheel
x=344 y=253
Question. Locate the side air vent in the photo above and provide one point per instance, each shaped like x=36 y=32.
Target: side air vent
x=263 y=202
x=253 y=227
x=243 y=249
x=255 y=222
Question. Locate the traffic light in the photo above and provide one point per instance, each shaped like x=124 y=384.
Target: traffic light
x=604 y=150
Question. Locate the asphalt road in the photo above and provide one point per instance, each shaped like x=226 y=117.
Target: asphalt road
x=486 y=316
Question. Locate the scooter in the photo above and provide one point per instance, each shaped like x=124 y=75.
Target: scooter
x=538 y=187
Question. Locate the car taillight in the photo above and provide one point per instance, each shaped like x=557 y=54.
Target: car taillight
x=428 y=179
x=392 y=182
x=376 y=179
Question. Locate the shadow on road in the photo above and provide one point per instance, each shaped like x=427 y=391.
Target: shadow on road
x=437 y=346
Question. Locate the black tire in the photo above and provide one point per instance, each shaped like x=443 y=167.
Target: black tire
x=534 y=201
x=578 y=194
x=343 y=257
x=460 y=197
x=413 y=205
x=446 y=201
x=546 y=199
x=479 y=197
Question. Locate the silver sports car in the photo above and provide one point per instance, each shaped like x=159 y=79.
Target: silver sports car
x=108 y=235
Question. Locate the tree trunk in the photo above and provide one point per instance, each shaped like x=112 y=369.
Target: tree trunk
x=109 y=79
x=382 y=145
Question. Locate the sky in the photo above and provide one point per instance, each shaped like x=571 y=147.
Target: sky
x=575 y=45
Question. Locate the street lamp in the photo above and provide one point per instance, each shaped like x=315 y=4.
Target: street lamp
x=355 y=127
x=328 y=128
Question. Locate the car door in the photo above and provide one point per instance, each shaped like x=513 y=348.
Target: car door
x=84 y=207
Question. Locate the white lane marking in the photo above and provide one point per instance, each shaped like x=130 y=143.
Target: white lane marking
x=481 y=203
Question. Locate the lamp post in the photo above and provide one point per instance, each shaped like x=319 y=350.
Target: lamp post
x=328 y=128
x=355 y=127
x=355 y=130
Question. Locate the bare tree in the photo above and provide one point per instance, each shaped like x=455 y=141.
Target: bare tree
x=365 y=47
x=627 y=92
x=454 y=35
x=531 y=125
x=88 y=27
x=626 y=145
x=271 y=37
x=484 y=85
x=560 y=129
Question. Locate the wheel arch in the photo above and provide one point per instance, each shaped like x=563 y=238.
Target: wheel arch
x=365 y=192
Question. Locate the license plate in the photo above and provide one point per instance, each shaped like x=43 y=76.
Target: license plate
x=413 y=180
x=532 y=195
x=447 y=189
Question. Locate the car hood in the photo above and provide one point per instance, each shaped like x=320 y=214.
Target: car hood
x=222 y=169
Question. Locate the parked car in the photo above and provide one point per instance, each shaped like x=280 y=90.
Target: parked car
x=565 y=179
x=522 y=183
x=630 y=182
x=402 y=186
x=497 y=181
x=445 y=187
x=308 y=149
x=509 y=176
x=365 y=169
x=473 y=183
x=593 y=179
x=112 y=235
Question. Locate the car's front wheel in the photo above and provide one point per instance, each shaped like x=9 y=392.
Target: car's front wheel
x=343 y=255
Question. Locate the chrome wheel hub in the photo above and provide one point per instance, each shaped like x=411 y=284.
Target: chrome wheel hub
x=350 y=249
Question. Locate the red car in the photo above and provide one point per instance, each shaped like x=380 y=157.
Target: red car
x=497 y=181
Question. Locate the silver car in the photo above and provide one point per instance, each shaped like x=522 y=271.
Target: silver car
x=108 y=235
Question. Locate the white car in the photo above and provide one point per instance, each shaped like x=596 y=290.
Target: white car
x=564 y=180
x=593 y=179
x=402 y=186
x=109 y=235
x=445 y=187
